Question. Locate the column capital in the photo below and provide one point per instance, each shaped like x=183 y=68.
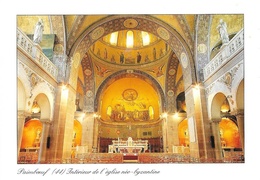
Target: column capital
x=23 y=114
x=238 y=112
x=215 y=120
x=45 y=121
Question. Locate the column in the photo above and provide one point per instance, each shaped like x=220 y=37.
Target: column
x=217 y=140
x=165 y=132
x=44 y=135
x=95 y=134
x=240 y=122
x=198 y=123
x=61 y=130
x=87 y=131
x=21 y=116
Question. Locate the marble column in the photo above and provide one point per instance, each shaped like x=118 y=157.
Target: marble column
x=44 y=136
x=217 y=140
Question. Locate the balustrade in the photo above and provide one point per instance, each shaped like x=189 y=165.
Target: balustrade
x=235 y=45
x=35 y=53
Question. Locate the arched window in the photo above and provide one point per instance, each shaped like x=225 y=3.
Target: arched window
x=151 y=112
x=113 y=38
x=146 y=38
x=109 y=111
x=129 y=39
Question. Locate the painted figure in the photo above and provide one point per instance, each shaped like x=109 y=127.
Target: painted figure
x=139 y=57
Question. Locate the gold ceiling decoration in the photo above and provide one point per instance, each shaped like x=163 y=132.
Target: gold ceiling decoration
x=87 y=72
x=130 y=23
x=184 y=60
x=130 y=94
x=163 y=33
x=97 y=33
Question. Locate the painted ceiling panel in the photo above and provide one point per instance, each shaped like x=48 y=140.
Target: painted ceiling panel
x=69 y=20
x=88 y=21
x=173 y=21
x=27 y=23
x=190 y=18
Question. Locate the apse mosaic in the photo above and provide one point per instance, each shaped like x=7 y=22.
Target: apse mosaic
x=130 y=107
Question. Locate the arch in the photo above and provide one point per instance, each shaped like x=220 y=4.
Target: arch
x=146 y=23
x=181 y=103
x=31 y=134
x=45 y=98
x=183 y=133
x=77 y=133
x=240 y=95
x=45 y=106
x=125 y=73
x=216 y=104
x=229 y=133
x=21 y=96
x=23 y=78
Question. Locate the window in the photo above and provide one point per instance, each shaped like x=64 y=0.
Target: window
x=129 y=39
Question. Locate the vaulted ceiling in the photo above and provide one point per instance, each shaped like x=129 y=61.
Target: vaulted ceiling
x=86 y=38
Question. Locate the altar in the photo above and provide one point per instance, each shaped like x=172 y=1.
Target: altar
x=128 y=146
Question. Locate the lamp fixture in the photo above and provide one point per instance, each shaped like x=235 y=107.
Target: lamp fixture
x=35 y=107
x=225 y=107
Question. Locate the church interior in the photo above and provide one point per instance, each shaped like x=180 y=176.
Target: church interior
x=130 y=88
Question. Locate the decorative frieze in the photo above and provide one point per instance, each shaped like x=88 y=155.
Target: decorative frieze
x=225 y=79
x=35 y=79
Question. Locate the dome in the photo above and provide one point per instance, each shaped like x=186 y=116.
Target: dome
x=129 y=47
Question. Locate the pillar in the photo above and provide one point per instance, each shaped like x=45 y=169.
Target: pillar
x=95 y=134
x=198 y=123
x=165 y=133
x=240 y=122
x=61 y=130
x=87 y=131
x=44 y=137
x=173 y=135
x=21 y=116
x=217 y=140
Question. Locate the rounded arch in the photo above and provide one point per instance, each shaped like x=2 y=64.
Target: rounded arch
x=183 y=133
x=21 y=96
x=45 y=99
x=146 y=23
x=240 y=95
x=31 y=134
x=44 y=104
x=229 y=133
x=133 y=73
x=22 y=77
x=181 y=103
x=216 y=104
x=77 y=133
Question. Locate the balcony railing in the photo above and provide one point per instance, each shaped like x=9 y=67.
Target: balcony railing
x=223 y=56
x=35 y=53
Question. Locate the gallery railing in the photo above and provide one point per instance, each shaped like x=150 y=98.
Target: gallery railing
x=34 y=52
x=226 y=52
